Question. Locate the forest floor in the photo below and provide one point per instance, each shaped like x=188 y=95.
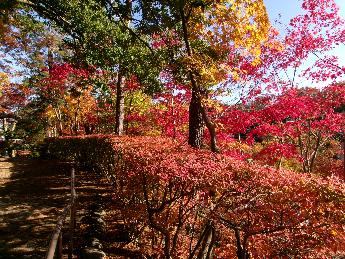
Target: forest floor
x=33 y=194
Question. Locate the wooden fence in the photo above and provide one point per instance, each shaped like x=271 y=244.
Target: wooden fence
x=56 y=239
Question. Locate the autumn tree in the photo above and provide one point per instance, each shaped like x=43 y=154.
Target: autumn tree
x=197 y=38
x=284 y=132
x=103 y=40
x=28 y=43
x=205 y=33
x=29 y=46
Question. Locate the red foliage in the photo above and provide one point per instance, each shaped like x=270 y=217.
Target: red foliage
x=131 y=84
x=13 y=97
x=171 y=110
x=61 y=77
x=298 y=123
x=167 y=38
x=171 y=194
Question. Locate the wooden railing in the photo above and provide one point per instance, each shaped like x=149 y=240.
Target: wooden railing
x=56 y=239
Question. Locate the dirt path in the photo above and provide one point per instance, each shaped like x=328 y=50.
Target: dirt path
x=32 y=194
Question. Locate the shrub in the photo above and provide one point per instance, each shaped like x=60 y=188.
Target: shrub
x=181 y=202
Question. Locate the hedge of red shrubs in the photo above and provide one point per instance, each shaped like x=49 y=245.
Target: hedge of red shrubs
x=179 y=202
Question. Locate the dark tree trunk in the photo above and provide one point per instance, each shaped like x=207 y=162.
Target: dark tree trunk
x=120 y=98
x=211 y=129
x=196 y=129
x=129 y=112
x=196 y=125
x=206 y=251
x=120 y=106
x=205 y=244
x=197 y=113
x=242 y=252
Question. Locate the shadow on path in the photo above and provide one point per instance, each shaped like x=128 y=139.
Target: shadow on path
x=32 y=195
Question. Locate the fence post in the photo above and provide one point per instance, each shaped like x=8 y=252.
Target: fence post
x=60 y=246
x=72 y=215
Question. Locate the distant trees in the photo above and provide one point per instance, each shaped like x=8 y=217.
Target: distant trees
x=186 y=52
x=297 y=124
x=100 y=34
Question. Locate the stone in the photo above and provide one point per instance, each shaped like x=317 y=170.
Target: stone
x=93 y=253
x=99 y=213
x=93 y=221
x=94 y=242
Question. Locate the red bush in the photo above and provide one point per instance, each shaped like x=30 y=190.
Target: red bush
x=181 y=202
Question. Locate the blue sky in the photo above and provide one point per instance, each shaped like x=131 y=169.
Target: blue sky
x=284 y=10
x=290 y=8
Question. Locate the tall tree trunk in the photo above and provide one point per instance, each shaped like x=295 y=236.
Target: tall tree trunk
x=120 y=98
x=197 y=113
x=196 y=125
x=5 y=125
x=173 y=116
x=50 y=59
x=205 y=243
x=129 y=112
x=120 y=105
